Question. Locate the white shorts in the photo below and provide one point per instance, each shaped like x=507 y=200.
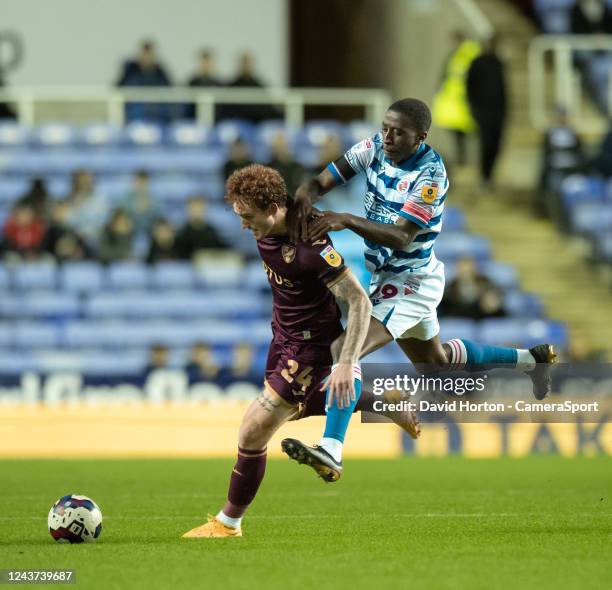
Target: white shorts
x=406 y=303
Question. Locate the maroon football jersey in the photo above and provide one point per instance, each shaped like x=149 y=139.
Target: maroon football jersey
x=304 y=309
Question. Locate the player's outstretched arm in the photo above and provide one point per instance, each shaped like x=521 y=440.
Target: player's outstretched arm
x=397 y=235
x=308 y=193
x=341 y=382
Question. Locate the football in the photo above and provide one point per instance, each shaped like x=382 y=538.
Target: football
x=75 y=519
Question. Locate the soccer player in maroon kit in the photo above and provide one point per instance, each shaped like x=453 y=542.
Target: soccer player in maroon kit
x=306 y=279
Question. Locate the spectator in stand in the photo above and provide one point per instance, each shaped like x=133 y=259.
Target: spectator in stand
x=241 y=368
x=591 y=17
x=486 y=91
x=465 y=293
x=140 y=203
x=283 y=161
x=202 y=365
x=602 y=163
x=88 y=209
x=61 y=241
x=37 y=197
x=117 y=238
x=145 y=70
x=239 y=157
x=162 y=242
x=246 y=78
x=450 y=108
x=196 y=234
x=329 y=151
x=562 y=152
x=205 y=75
x=491 y=305
x=23 y=233
x=158 y=359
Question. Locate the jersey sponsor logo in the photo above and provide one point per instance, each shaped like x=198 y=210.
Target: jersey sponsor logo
x=331 y=256
x=288 y=253
x=402 y=186
x=411 y=285
x=429 y=192
x=276 y=278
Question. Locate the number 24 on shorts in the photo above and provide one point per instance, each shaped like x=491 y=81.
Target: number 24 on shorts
x=303 y=378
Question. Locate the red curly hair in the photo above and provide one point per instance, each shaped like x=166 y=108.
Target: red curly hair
x=256 y=186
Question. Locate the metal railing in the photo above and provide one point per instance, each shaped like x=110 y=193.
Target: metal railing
x=567 y=88
x=292 y=100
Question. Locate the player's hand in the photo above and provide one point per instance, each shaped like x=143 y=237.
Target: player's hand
x=341 y=386
x=298 y=214
x=326 y=222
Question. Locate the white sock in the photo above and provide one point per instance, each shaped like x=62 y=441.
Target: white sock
x=333 y=447
x=228 y=520
x=525 y=360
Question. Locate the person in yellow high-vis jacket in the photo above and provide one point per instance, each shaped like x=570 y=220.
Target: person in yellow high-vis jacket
x=450 y=106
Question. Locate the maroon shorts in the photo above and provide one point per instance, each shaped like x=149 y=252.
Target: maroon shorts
x=295 y=370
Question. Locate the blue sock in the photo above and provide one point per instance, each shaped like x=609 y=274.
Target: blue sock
x=466 y=352
x=337 y=420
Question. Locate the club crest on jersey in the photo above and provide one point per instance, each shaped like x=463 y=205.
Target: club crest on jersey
x=331 y=256
x=288 y=253
x=429 y=192
x=402 y=186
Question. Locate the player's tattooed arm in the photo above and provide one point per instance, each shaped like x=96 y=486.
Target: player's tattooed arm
x=349 y=290
x=267 y=402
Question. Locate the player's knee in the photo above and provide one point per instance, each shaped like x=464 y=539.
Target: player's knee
x=253 y=435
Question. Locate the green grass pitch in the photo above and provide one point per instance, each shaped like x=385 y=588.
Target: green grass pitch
x=541 y=522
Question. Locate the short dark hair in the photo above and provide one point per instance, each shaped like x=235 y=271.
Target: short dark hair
x=415 y=110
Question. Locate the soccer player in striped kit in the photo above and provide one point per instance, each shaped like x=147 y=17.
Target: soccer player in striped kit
x=406 y=189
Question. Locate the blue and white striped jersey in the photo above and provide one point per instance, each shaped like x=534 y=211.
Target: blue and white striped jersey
x=416 y=190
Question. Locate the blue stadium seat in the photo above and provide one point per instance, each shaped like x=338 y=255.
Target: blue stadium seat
x=457 y=328
x=54 y=135
x=13 y=134
x=15 y=363
x=577 y=189
x=7 y=334
x=12 y=188
x=454 y=245
x=35 y=335
x=49 y=304
x=108 y=364
x=521 y=304
x=81 y=277
x=603 y=246
x=255 y=278
x=502 y=274
x=554 y=15
x=99 y=135
x=589 y=218
x=189 y=134
x=453 y=219
x=175 y=188
x=357 y=131
x=173 y=275
x=218 y=276
x=128 y=275
x=316 y=133
x=267 y=131
x=4 y=277
x=521 y=333
x=257 y=333
x=142 y=134
x=229 y=130
x=35 y=275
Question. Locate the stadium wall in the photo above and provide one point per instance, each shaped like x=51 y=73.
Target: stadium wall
x=71 y=42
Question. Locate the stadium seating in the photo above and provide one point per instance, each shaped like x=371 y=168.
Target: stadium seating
x=102 y=319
